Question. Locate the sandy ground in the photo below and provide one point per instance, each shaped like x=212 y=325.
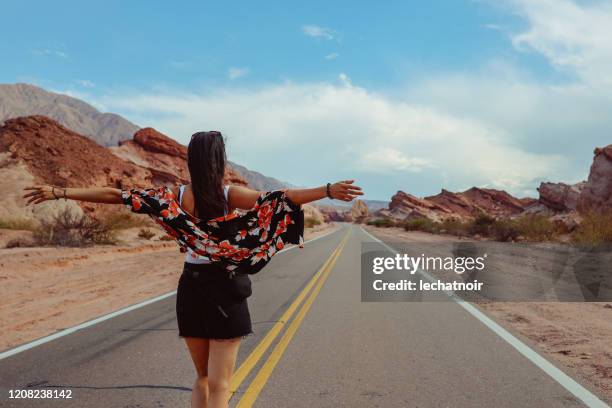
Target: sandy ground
x=46 y=289
x=575 y=335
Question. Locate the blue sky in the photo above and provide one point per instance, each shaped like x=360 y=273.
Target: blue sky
x=402 y=95
x=138 y=43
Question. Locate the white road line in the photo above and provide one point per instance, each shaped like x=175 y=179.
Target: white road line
x=116 y=313
x=559 y=376
x=88 y=323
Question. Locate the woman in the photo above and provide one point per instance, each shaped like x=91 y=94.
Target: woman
x=212 y=314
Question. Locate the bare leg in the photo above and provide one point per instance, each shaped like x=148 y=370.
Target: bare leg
x=221 y=361
x=199 y=350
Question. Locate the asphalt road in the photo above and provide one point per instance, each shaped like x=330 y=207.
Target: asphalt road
x=315 y=345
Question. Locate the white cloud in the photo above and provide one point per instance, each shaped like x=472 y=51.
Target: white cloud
x=573 y=36
x=346 y=81
x=389 y=159
x=235 y=73
x=49 y=52
x=497 y=126
x=85 y=83
x=319 y=130
x=332 y=56
x=319 y=32
x=492 y=26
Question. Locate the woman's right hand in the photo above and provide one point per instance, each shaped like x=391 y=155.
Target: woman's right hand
x=344 y=190
x=42 y=193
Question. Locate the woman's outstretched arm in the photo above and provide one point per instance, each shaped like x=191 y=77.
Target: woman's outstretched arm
x=245 y=198
x=343 y=190
x=106 y=195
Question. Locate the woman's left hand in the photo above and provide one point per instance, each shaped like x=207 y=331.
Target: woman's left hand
x=42 y=193
x=345 y=190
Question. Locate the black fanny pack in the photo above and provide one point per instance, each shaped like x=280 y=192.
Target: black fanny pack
x=237 y=285
x=240 y=285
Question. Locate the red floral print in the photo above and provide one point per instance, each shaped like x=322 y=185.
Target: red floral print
x=242 y=242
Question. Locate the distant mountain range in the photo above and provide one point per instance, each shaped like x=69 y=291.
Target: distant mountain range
x=258 y=181
x=107 y=129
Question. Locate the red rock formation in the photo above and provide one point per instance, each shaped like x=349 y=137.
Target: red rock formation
x=164 y=157
x=560 y=196
x=404 y=205
x=233 y=177
x=154 y=141
x=496 y=203
x=59 y=156
x=597 y=191
x=331 y=214
x=56 y=155
x=358 y=212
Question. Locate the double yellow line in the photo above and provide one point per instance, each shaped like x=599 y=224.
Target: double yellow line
x=317 y=281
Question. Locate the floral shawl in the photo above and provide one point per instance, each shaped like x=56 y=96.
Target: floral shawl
x=243 y=242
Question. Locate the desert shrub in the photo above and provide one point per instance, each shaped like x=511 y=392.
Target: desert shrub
x=19 y=243
x=480 y=224
x=146 y=233
x=18 y=223
x=123 y=220
x=595 y=229
x=454 y=227
x=382 y=222
x=166 y=237
x=68 y=228
x=536 y=228
x=422 y=224
x=310 y=222
x=504 y=230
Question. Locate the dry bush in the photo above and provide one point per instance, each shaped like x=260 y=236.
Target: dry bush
x=69 y=228
x=595 y=229
x=480 y=225
x=166 y=237
x=455 y=227
x=146 y=233
x=381 y=222
x=310 y=222
x=124 y=220
x=536 y=228
x=422 y=224
x=504 y=230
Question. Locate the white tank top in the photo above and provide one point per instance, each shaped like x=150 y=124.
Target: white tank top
x=191 y=256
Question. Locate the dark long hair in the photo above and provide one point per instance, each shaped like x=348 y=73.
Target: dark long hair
x=206 y=162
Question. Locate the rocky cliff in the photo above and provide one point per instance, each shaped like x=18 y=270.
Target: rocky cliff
x=164 y=157
x=39 y=150
x=331 y=214
x=565 y=204
x=562 y=203
x=597 y=192
x=462 y=205
x=359 y=211
x=57 y=155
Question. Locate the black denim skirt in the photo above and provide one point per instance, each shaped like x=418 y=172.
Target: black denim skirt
x=205 y=306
